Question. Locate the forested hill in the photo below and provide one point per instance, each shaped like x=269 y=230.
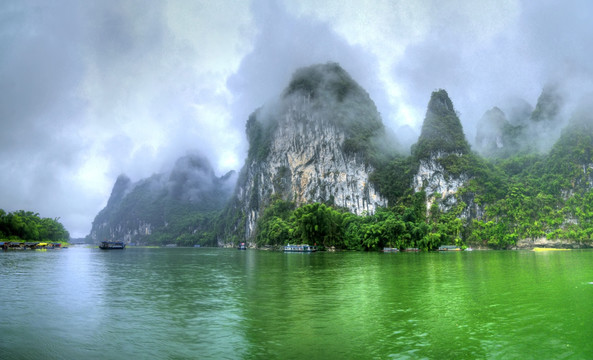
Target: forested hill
x=444 y=193
x=177 y=207
x=441 y=130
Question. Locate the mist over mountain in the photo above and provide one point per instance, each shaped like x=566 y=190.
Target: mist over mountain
x=174 y=207
x=322 y=168
x=525 y=130
x=318 y=142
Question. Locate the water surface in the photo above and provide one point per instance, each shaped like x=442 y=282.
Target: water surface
x=82 y=303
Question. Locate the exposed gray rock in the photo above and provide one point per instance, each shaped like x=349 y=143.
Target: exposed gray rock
x=437 y=183
x=554 y=244
x=305 y=158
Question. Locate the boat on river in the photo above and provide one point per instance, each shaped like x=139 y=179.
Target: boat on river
x=449 y=248
x=242 y=246
x=300 y=248
x=390 y=250
x=112 y=245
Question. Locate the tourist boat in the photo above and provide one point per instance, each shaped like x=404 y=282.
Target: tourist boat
x=449 y=248
x=112 y=245
x=242 y=246
x=390 y=250
x=300 y=248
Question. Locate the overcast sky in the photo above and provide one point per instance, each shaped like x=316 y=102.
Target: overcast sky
x=93 y=89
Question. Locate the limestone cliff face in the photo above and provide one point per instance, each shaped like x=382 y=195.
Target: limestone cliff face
x=434 y=179
x=311 y=146
x=440 y=152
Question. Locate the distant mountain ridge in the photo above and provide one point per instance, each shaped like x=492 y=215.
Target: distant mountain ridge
x=528 y=132
x=321 y=169
x=179 y=206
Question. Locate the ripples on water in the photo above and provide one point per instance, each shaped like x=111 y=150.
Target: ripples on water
x=220 y=303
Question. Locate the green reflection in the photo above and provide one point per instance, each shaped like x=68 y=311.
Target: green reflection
x=224 y=303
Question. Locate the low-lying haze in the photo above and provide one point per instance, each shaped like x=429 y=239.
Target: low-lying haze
x=90 y=90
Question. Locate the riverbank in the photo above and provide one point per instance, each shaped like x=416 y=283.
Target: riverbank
x=29 y=245
x=529 y=244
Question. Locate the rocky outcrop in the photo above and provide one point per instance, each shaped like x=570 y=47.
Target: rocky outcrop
x=311 y=146
x=554 y=244
x=434 y=179
x=440 y=149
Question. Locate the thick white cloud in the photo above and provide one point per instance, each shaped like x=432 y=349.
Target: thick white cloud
x=94 y=89
x=90 y=90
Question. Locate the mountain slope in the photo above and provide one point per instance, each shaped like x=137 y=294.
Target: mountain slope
x=315 y=144
x=178 y=207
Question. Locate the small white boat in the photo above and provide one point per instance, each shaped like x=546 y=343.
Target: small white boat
x=300 y=248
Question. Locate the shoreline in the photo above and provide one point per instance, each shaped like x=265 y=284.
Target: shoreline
x=530 y=244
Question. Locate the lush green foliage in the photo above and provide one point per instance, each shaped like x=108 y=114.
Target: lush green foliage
x=319 y=224
x=527 y=195
x=546 y=195
x=28 y=226
x=393 y=179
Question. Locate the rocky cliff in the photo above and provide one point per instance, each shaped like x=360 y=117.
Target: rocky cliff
x=175 y=207
x=441 y=154
x=315 y=144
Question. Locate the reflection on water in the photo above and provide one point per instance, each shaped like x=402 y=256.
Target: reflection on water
x=223 y=303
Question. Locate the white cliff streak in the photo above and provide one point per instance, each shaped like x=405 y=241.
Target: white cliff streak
x=434 y=179
x=306 y=163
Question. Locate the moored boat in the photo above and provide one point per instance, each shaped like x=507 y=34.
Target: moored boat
x=390 y=249
x=112 y=245
x=449 y=248
x=300 y=248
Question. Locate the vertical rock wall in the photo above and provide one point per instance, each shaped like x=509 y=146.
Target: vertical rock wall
x=306 y=163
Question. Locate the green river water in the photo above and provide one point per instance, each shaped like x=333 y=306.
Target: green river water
x=177 y=303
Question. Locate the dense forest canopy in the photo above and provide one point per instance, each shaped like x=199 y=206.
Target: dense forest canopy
x=29 y=226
